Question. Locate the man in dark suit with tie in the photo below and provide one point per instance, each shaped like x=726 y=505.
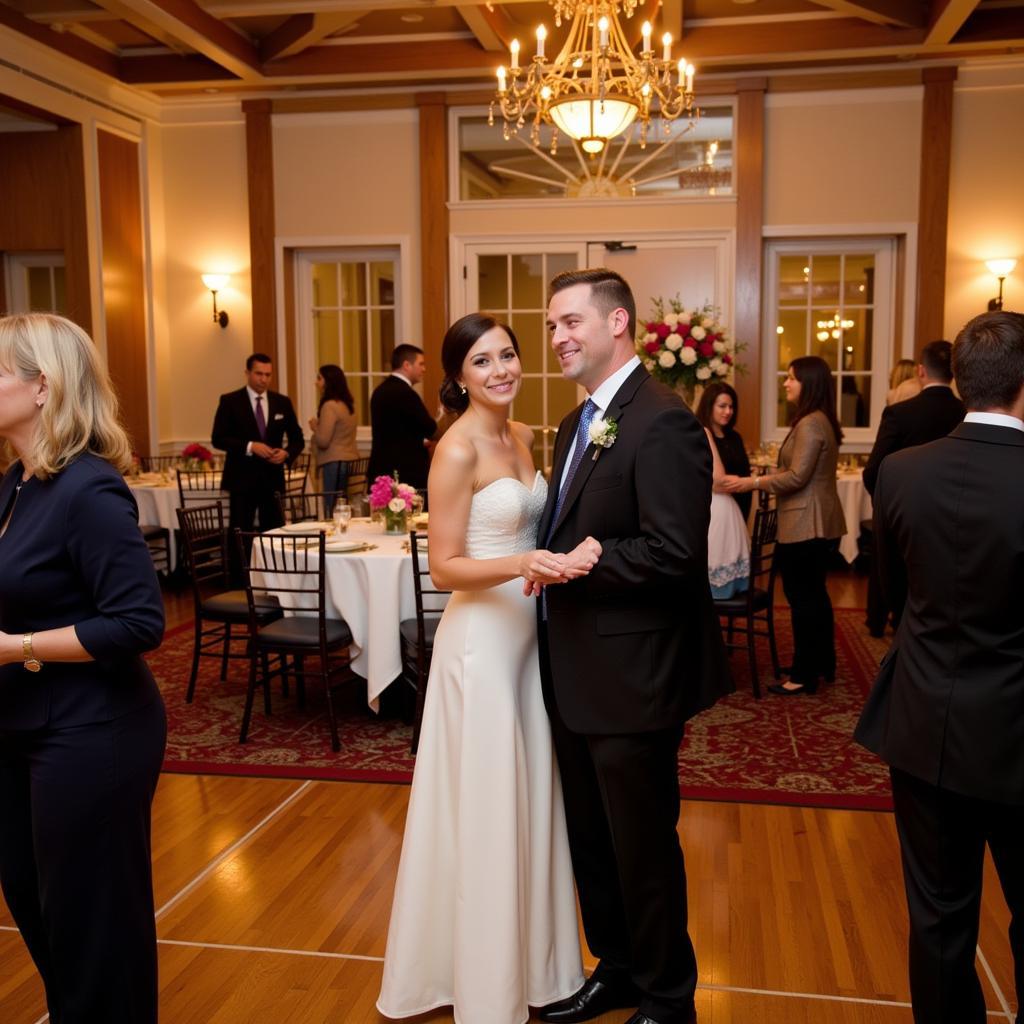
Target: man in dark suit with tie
x=629 y=653
x=926 y=417
x=400 y=422
x=947 y=709
x=258 y=431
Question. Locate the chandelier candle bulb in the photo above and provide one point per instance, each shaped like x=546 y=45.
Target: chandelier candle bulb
x=666 y=42
x=501 y=79
x=690 y=71
x=682 y=71
x=602 y=28
x=542 y=34
x=515 y=54
x=646 y=30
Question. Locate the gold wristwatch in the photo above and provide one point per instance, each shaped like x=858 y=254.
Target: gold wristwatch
x=31 y=662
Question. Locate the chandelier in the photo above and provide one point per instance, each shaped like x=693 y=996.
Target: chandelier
x=596 y=87
x=833 y=328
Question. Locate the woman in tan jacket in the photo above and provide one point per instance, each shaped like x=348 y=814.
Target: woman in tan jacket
x=810 y=518
x=334 y=432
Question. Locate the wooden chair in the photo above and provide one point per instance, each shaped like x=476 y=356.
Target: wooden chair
x=358 y=479
x=158 y=540
x=418 y=633
x=755 y=607
x=296 y=477
x=221 y=615
x=292 y=568
x=201 y=487
x=158 y=463
x=310 y=507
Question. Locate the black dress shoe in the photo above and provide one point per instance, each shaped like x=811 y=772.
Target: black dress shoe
x=596 y=997
x=782 y=691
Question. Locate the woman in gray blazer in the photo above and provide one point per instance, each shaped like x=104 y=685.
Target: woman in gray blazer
x=810 y=518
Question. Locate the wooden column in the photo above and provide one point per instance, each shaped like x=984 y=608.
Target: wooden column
x=749 y=223
x=259 y=149
x=124 y=285
x=933 y=209
x=433 y=235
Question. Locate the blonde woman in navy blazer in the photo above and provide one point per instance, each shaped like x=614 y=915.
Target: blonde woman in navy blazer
x=82 y=725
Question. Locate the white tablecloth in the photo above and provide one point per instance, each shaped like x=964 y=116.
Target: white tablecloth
x=158 y=502
x=856 y=503
x=372 y=591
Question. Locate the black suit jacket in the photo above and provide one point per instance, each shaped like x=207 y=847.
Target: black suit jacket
x=401 y=424
x=234 y=426
x=948 y=704
x=925 y=417
x=636 y=645
x=73 y=556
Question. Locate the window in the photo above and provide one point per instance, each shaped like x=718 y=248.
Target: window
x=348 y=303
x=682 y=158
x=35 y=282
x=833 y=299
x=513 y=287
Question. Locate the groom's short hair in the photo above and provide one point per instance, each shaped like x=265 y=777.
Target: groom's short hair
x=608 y=290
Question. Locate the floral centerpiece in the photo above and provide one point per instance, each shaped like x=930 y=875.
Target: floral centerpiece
x=685 y=347
x=196 y=456
x=394 y=501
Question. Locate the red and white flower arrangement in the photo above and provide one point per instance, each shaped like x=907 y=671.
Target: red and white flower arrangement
x=687 y=347
x=196 y=453
x=387 y=493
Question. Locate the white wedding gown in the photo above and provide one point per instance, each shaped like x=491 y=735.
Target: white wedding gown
x=484 y=913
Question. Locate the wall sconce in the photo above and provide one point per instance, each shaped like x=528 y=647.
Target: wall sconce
x=1002 y=269
x=215 y=282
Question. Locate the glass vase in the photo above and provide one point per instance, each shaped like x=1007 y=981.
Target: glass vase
x=396 y=522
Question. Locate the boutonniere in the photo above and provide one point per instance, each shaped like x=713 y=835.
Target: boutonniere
x=603 y=434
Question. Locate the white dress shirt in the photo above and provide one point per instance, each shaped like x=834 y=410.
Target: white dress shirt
x=995 y=419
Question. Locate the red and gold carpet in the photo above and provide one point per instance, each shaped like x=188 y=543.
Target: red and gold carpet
x=788 y=751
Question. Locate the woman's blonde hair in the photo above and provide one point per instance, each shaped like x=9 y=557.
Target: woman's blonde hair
x=80 y=411
x=903 y=370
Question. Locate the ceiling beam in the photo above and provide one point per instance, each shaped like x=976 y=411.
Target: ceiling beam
x=995 y=25
x=259 y=8
x=905 y=13
x=476 y=21
x=378 y=59
x=65 y=43
x=302 y=31
x=161 y=69
x=948 y=17
x=191 y=28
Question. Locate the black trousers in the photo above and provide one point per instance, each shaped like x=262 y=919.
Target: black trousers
x=804 y=568
x=622 y=807
x=75 y=862
x=245 y=504
x=942 y=841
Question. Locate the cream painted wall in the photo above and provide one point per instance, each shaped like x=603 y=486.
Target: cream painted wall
x=986 y=207
x=206 y=228
x=843 y=157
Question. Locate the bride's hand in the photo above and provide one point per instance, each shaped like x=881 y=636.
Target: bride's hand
x=540 y=567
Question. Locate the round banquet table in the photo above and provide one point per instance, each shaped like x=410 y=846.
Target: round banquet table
x=373 y=592
x=856 y=504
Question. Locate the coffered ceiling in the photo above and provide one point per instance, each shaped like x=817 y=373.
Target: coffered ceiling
x=175 y=47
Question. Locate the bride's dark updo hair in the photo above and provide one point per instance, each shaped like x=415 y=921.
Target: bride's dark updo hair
x=459 y=339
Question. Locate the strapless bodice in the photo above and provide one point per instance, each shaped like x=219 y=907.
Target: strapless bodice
x=503 y=517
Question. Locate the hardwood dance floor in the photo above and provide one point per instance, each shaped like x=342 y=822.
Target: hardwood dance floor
x=273 y=900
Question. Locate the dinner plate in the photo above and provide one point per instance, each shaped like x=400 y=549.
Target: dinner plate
x=306 y=527
x=346 y=545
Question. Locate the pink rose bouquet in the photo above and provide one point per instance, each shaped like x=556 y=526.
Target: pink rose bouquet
x=387 y=492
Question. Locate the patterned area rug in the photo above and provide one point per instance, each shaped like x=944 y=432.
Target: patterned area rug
x=795 y=751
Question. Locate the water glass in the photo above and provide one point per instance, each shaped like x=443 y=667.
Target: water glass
x=417 y=503
x=342 y=515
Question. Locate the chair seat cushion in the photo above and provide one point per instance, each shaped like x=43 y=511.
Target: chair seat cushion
x=150 y=531
x=232 y=604
x=737 y=605
x=410 y=634
x=304 y=631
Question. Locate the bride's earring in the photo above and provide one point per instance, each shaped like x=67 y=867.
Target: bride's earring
x=462 y=388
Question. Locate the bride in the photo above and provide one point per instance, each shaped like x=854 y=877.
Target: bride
x=484 y=913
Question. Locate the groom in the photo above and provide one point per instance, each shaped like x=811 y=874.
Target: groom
x=628 y=653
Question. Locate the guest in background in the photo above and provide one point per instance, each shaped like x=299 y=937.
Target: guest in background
x=728 y=540
x=810 y=519
x=903 y=382
x=932 y=414
x=401 y=425
x=82 y=725
x=719 y=411
x=947 y=709
x=258 y=431
x=334 y=432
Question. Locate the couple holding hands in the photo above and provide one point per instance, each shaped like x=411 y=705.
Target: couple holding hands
x=579 y=638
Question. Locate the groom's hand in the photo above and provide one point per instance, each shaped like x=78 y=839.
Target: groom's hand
x=541 y=567
x=582 y=558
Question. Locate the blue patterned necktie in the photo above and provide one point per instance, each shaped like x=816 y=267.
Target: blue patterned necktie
x=582 y=442
x=261 y=420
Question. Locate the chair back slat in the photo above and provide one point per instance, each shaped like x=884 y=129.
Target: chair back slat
x=291 y=564
x=358 y=482
x=204 y=533
x=310 y=507
x=764 y=537
x=158 y=463
x=297 y=475
x=423 y=584
x=201 y=487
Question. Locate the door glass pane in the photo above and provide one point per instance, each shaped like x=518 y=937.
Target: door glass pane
x=60 y=302
x=563 y=397
x=353 y=284
x=859 y=279
x=325 y=284
x=382 y=283
x=492 y=274
x=360 y=388
x=794 y=277
x=353 y=334
x=531 y=333
x=825 y=278
x=558 y=262
x=382 y=323
x=793 y=336
x=857 y=341
x=528 y=407
x=40 y=296
x=325 y=336
x=527 y=283
x=855 y=400
x=828 y=335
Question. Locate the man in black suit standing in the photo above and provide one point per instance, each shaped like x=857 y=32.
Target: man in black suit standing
x=400 y=422
x=251 y=426
x=947 y=709
x=629 y=653
x=929 y=415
